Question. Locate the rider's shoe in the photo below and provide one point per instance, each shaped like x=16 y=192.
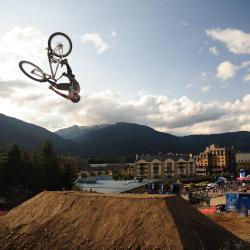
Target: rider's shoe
x=64 y=61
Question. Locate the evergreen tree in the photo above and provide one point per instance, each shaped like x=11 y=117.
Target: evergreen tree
x=27 y=175
x=52 y=171
x=69 y=172
x=14 y=166
x=37 y=182
x=3 y=169
x=69 y=175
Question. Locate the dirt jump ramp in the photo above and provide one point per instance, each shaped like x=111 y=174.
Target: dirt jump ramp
x=74 y=220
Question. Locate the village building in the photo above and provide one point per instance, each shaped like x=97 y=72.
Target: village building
x=243 y=160
x=215 y=160
x=164 y=166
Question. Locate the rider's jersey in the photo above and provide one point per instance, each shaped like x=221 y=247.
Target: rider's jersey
x=74 y=89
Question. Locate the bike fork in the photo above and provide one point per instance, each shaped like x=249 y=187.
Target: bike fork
x=52 y=60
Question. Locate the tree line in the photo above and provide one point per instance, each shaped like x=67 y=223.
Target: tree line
x=38 y=171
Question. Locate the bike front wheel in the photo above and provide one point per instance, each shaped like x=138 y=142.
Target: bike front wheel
x=60 y=44
x=32 y=71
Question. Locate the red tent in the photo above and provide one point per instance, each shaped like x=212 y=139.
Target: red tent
x=243 y=178
x=208 y=210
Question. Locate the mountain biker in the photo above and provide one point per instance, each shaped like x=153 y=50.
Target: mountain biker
x=72 y=87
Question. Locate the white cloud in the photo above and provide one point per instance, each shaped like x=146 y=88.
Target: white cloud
x=205 y=88
x=226 y=70
x=184 y=24
x=237 y=41
x=224 y=85
x=203 y=76
x=213 y=51
x=113 y=33
x=246 y=78
x=97 y=40
x=244 y=65
x=189 y=86
x=20 y=44
x=39 y=105
x=200 y=49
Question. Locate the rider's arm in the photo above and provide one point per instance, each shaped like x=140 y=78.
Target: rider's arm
x=59 y=93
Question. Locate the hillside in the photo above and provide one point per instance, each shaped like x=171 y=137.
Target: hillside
x=127 y=139
x=74 y=220
x=239 y=140
x=120 y=139
x=31 y=137
x=76 y=131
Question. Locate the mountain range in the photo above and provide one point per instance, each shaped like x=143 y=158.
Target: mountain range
x=127 y=139
x=111 y=140
x=31 y=137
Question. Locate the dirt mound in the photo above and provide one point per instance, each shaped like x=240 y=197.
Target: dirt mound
x=238 y=225
x=72 y=220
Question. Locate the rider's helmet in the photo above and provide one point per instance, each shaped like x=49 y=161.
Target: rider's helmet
x=76 y=98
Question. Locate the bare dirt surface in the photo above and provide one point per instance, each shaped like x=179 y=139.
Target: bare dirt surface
x=74 y=220
x=238 y=225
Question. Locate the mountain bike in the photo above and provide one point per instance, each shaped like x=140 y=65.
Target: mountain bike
x=59 y=47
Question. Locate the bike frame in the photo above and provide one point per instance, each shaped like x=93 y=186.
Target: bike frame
x=52 y=60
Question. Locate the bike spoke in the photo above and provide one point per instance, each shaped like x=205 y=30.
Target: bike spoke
x=32 y=71
x=36 y=72
x=58 y=49
x=61 y=50
x=59 y=44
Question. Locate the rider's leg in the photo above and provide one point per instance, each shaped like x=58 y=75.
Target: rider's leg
x=69 y=70
x=61 y=86
x=52 y=83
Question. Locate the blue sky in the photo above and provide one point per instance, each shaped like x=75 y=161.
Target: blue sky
x=160 y=49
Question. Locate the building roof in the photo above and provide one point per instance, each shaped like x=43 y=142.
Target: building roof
x=242 y=157
x=164 y=157
x=111 y=186
x=92 y=169
x=105 y=167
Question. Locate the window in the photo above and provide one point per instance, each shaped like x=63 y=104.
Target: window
x=182 y=170
x=156 y=168
x=169 y=164
x=191 y=169
x=169 y=169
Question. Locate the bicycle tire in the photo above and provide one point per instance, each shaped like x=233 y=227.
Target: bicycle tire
x=21 y=66
x=57 y=34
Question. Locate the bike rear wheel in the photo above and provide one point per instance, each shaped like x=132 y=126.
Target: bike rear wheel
x=32 y=71
x=60 y=44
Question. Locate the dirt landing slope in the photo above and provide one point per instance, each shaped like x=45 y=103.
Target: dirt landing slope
x=72 y=220
x=238 y=225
